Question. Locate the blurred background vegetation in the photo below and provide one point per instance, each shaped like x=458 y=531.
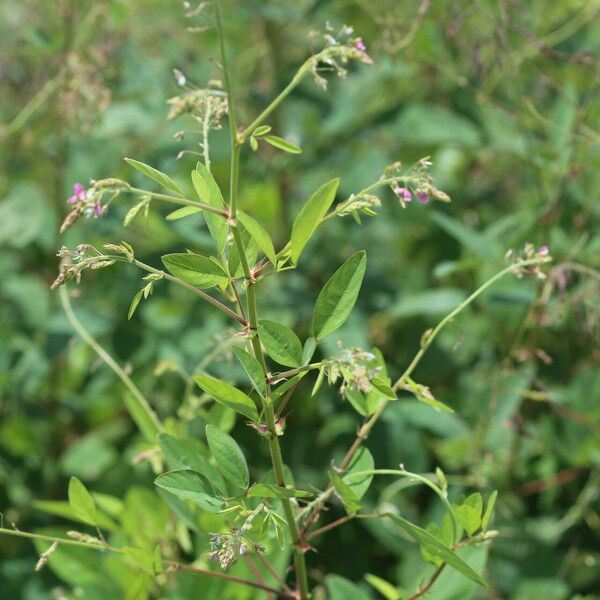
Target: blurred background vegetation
x=502 y=94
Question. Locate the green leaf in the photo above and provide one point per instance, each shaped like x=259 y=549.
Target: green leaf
x=197 y=270
x=253 y=369
x=261 y=130
x=134 y=210
x=270 y=490
x=209 y=192
x=184 y=211
x=345 y=493
x=282 y=344
x=383 y=388
x=436 y=548
x=155 y=175
x=385 y=588
x=340 y=588
x=82 y=503
x=310 y=217
x=361 y=461
x=60 y=508
x=282 y=144
x=485 y=520
x=181 y=508
x=134 y=303
x=228 y=456
x=150 y=427
x=236 y=268
x=193 y=486
x=228 y=396
x=310 y=345
x=337 y=298
x=469 y=513
x=259 y=235
x=149 y=563
x=189 y=453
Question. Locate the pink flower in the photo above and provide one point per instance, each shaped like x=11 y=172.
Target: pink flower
x=543 y=250
x=422 y=197
x=360 y=45
x=78 y=194
x=403 y=194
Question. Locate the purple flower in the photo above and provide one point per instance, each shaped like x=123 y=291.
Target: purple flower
x=98 y=209
x=543 y=250
x=403 y=194
x=422 y=197
x=78 y=194
x=360 y=45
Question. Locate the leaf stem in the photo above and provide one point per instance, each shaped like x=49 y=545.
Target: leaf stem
x=143 y=405
x=170 y=563
x=298 y=77
x=180 y=201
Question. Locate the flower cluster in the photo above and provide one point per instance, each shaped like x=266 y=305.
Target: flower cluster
x=340 y=47
x=91 y=202
x=226 y=548
x=356 y=367
x=357 y=204
x=74 y=262
x=530 y=252
x=416 y=181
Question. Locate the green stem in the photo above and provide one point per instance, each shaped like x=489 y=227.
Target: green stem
x=298 y=77
x=274 y=447
x=151 y=421
x=420 y=478
x=180 y=201
x=216 y=303
x=170 y=563
x=366 y=428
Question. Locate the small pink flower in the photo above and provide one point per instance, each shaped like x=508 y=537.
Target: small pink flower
x=403 y=194
x=422 y=197
x=360 y=45
x=543 y=250
x=98 y=209
x=78 y=194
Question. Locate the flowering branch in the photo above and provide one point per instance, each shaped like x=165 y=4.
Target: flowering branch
x=170 y=563
x=519 y=266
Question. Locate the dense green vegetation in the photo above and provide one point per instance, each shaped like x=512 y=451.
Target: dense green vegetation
x=502 y=95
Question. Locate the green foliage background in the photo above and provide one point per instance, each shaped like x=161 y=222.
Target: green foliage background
x=502 y=95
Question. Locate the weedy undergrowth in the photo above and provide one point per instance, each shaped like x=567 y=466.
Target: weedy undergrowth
x=207 y=484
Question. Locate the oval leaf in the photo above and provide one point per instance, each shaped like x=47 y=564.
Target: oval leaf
x=155 y=175
x=209 y=192
x=81 y=502
x=282 y=344
x=310 y=216
x=228 y=457
x=337 y=298
x=270 y=490
x=282 y=144
x=193 y=486
x=253 y=369
x=228 y=396
x=197 y=270
x=189 y=453
x=184 y=211
x=436 y=548
x=259 y=235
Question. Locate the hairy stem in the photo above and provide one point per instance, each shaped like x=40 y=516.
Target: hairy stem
x=151 y=426
x=274 y=447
